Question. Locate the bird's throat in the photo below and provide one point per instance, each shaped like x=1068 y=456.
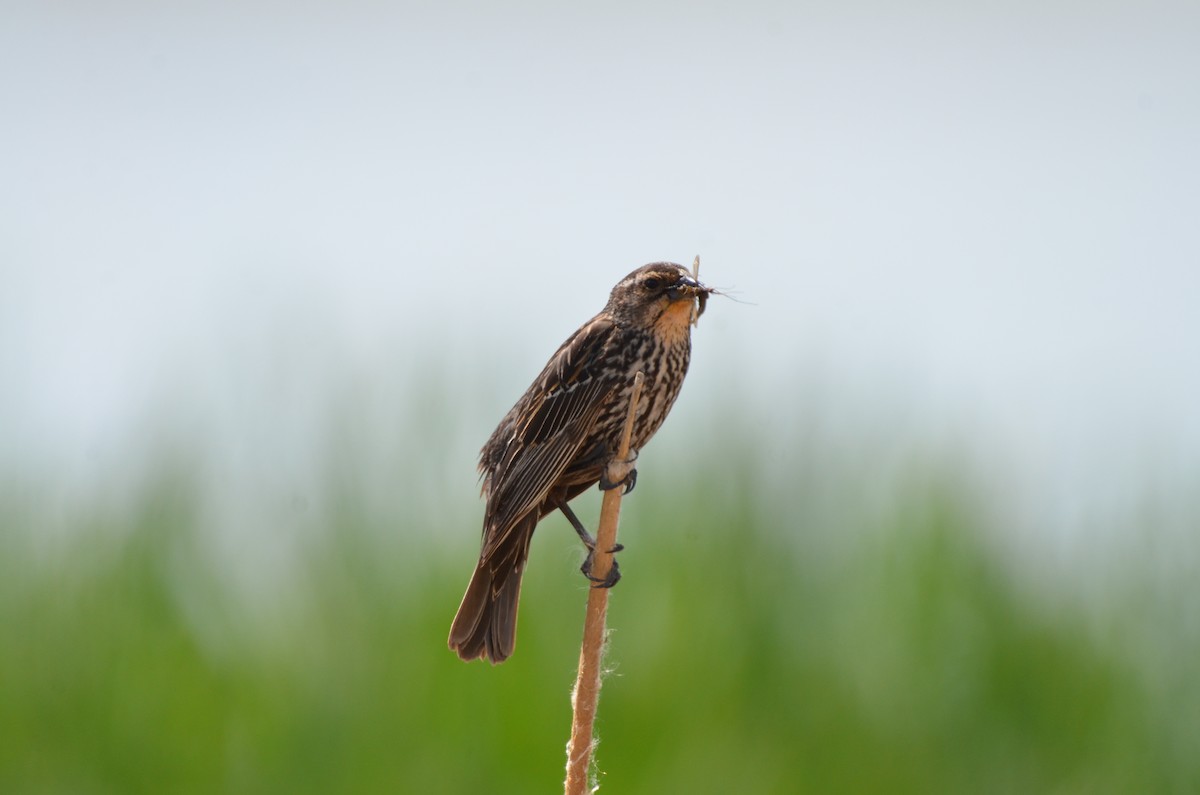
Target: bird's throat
x=674 y=323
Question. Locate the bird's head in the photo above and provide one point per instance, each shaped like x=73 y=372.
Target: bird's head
x=661 y=295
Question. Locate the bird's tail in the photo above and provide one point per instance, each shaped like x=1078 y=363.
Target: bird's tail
x=486 y=624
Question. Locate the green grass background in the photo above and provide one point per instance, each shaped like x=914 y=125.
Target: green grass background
x=759 y=645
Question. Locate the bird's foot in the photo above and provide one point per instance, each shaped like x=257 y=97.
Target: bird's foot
x=609 y=580
x=620 y=473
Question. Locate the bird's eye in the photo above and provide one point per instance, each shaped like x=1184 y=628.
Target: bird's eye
x=652 y=283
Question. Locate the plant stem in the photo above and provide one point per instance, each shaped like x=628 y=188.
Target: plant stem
x=587 y=686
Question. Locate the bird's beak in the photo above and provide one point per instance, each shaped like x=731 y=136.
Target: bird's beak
x=686 y=287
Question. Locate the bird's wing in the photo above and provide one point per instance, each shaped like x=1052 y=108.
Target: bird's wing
x=560 y=409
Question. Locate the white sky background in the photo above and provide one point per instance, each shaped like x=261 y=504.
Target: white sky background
x=987 y=215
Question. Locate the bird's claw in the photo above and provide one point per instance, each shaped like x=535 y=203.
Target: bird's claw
x=608 y=581
x=620 y=473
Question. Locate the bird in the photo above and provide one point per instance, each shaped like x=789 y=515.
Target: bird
x=558 y=439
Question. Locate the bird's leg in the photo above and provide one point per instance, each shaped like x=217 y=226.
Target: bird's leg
x=614 y=573
x=584 y=535
x=620 y=473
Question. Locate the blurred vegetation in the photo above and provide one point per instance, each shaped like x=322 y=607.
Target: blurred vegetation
x=748 y=654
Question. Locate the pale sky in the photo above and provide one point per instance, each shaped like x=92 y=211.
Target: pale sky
x=984 y=211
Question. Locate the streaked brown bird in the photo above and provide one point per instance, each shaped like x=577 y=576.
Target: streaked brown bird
x=558 y=439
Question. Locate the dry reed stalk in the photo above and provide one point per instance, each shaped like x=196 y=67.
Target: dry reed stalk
x=587 y=685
